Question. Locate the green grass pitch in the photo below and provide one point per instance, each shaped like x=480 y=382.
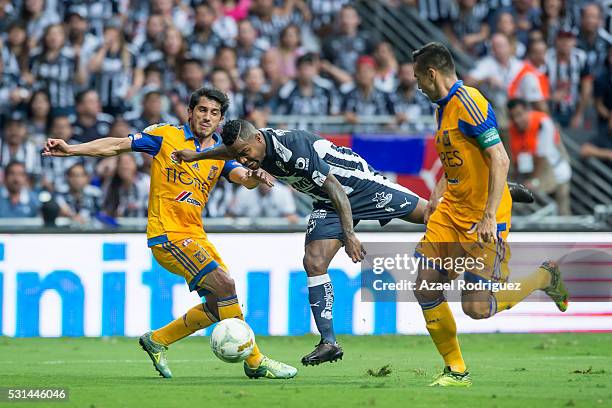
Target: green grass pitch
x=509 y=370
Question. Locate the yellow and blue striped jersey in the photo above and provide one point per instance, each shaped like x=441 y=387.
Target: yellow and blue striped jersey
x=178 y=192
x=466 y=127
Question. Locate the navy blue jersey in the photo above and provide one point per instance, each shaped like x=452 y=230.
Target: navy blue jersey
x=303 y=160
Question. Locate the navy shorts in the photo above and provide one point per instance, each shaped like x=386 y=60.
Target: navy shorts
x=382 y=204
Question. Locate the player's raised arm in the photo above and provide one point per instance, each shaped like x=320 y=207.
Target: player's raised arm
x=108 y=146
x=341 y=203
x=218 y=153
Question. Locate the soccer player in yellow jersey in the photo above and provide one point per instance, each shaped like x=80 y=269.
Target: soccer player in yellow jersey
x=468 y=214
x=175 y=232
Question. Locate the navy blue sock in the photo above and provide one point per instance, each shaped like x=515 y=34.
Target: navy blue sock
x=321 y=298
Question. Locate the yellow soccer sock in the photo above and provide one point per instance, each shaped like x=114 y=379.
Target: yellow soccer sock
x=507 y=298
x=443 y=331
x=196 y=318
x=228 y=308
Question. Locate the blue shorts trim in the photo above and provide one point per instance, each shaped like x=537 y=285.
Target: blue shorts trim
x=207 y=269
x=160 y=239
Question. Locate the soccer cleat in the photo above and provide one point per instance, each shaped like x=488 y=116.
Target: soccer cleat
x=450 y=378
x=157 y=353
x=324 y=352
x=269 y=368
x=520 y=193
x=556 y=290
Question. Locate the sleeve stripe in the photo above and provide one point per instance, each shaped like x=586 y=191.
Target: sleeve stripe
x=467 y=100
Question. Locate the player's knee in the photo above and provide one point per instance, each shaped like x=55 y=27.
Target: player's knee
x=224 y=285
x=476 y=310
x=315 y=265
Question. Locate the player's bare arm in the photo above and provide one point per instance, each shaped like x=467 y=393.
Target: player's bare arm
x=499 y=163
x=435 y=197
x=186 y=155
x=105 y=147
x=250 y=178
x=341 y=203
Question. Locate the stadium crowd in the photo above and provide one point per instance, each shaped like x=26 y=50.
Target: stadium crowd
x=80 y=70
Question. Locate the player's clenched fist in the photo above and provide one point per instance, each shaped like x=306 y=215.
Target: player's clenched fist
x=184 y=155
x=56 y=147
x=261 y=176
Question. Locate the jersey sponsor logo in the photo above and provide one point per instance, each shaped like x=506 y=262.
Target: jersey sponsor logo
x=382 y=199
x=176 y=176
x=301 y=163
x=318 y=214
x=185 y=197
x=451 y=159
x=389 y=209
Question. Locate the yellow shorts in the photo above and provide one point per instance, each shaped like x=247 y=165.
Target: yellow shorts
x=191 y=258
x=451 y=246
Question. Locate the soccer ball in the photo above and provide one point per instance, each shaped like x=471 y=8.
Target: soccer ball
x=232 y=340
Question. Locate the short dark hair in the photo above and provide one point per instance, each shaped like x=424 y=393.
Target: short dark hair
x=435 y=55
x=212 y=94
x=75 y=165
x=235 y=129
x=12 y=164
x=307 y=58
x=81 y=95
x=513 y=103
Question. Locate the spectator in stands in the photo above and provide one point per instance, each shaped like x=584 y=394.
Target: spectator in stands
x=220 y=79
x=506 y=25
x=386 y=67
x=79 y=36
x=37 y=20
x=249 y=49
x=539 y=157
x=8 y=14
x=53 y=170
x=526 y=15
x=536 y=54
x=530 y=83
x=174 y=14
x=169 y=58
x=570 y=80
x=410 y=103
x=265 y=201
x=204 y=41
x=12 y=92
x=494 y=73
x=16 y=53
x=226 y=59
x=17 y=200
x=192 y=78
x=90 y=123
x=468 y=29
x=270 y=63
x=268 y=19
x=290 y=49
x=591 y=37
x=57 y=68
x=153 y=36
x=15 y=146
x=38 y=117
x=152 y=112
x=323 y=15
x=126 y=194
x=306 y=95
x=341 y=51
x=78 y=200
x=114 y=73
x=554 y=18
x=224 y=26
x=363 y=98
x=255 y=106
x=601 y=145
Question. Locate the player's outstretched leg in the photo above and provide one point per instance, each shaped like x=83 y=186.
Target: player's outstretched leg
x=318 y=255
x=546 y=277
x=256 y=365
x=156 y=342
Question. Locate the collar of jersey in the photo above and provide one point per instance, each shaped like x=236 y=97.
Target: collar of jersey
x=451 y=93
x=269 y=145
x=189 y=135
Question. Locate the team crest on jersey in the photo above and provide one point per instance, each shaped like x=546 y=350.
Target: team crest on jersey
x=312 y=223
x=213 y=172
x=382 y=199
x=185 y=197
